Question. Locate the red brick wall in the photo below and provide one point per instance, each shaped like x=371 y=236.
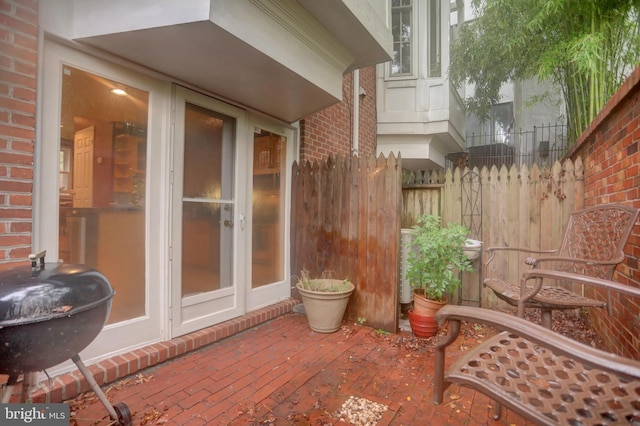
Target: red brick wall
x=330 y=131
x=18 y=66
x=610 y=151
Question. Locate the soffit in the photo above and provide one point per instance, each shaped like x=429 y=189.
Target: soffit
x=279 y=58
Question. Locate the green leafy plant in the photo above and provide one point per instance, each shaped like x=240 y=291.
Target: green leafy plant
x=361 y=320
x=436 y=257
x=586 y=47
x=323 y=284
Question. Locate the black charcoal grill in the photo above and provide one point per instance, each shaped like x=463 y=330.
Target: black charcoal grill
x=49 y=312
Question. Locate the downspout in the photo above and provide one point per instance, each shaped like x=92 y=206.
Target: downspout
x=356 y=113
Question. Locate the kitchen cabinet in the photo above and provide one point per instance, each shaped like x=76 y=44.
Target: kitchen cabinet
x=129 y=156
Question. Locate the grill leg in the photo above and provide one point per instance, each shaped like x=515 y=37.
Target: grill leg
x=29 y=380
x=94 y=386
x=12 y=382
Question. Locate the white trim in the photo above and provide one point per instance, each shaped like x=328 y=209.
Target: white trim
x=415 y=54
x=148 y=328
x=278 y=291
x=192 y=313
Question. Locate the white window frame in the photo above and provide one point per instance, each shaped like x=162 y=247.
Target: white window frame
x=438 y=35
x=414 y=49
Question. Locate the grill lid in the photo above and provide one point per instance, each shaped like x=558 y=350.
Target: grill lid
x=49 y=290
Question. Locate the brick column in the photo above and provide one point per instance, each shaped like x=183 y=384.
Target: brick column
x=18 y=68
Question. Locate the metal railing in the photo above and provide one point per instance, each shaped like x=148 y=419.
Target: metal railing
x=543 y=146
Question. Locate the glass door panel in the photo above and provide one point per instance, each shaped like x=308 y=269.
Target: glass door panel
x=207 y=213
x=203 y=278
x=267 y=255
x=102 y=175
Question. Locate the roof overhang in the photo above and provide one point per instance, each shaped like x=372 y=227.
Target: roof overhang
x=284 y=58
x=419 y=151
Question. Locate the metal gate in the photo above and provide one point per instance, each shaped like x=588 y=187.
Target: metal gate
x=470 y=291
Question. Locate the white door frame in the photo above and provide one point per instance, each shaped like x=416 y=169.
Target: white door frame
x=193 y=313
x=148 y=328
x=280 y=290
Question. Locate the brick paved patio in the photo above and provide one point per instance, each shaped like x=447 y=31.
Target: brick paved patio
x=281 y=373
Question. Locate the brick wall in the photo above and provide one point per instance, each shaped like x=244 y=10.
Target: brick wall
x=609 y=149
x=18 y=66
x=330 y=131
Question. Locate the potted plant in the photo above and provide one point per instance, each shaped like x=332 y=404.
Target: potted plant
x=436 y=256
x=325 y=300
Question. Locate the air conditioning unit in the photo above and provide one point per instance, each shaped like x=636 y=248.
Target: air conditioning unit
x=405 y=293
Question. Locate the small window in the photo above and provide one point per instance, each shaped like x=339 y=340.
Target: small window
x=65 y=166
x=401 y=28
x=496 y=128
x=435 y=39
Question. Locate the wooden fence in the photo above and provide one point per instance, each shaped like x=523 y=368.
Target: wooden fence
x=518 y=208
x=345 y=220
x=347 y=214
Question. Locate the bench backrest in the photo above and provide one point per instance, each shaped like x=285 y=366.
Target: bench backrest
x=597 y=233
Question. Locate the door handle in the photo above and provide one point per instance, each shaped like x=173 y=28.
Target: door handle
x=228 y=223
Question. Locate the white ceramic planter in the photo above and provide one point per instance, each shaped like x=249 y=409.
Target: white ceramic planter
x=473 y=249
x=325 y=309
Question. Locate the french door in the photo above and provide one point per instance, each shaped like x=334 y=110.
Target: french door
x=206 y=217
x=269 y=281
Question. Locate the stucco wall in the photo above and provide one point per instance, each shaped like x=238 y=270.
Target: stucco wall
x=610 y=152
x=330 y=131
x=18 y=67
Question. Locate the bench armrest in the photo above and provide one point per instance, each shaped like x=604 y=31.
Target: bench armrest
x=492 y=251
x=534 y=333
x=536 y=261
x=542 y=274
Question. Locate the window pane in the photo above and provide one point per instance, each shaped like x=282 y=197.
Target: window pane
x=207 y=190
x=435 y=45
x=401 y=17
x=268 y=208
x=102 y=184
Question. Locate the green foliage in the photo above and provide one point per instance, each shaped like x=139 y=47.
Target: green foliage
x=436 y=257
x=323 y=284
x=586 y=47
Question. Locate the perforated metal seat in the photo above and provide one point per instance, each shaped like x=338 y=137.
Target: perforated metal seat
x=543 y=376
x=549 y=297
x=593 y=245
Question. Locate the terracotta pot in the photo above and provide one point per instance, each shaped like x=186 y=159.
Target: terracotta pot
x=422 y=325
x=325 y=309
x=424 y=306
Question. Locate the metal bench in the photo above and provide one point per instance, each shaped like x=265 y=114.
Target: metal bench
x=541 y=375
x=593 y=245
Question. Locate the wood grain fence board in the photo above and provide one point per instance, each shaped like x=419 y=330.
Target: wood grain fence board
x=353 y=176
x=524 y=208
x=366 y=304
x=347 y=214
x=512 y=224
x=504 y=262
x=558 y=222
x=387 y=264
x=345 y=219
x=535 y=220
x=363 y=214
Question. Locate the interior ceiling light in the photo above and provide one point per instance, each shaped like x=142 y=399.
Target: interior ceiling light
x=118 y=91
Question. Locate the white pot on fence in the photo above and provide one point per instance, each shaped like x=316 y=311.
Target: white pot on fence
x=472 y=249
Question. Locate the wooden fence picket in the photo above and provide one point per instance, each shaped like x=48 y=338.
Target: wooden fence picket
x=345 y=220
x=346 y=216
